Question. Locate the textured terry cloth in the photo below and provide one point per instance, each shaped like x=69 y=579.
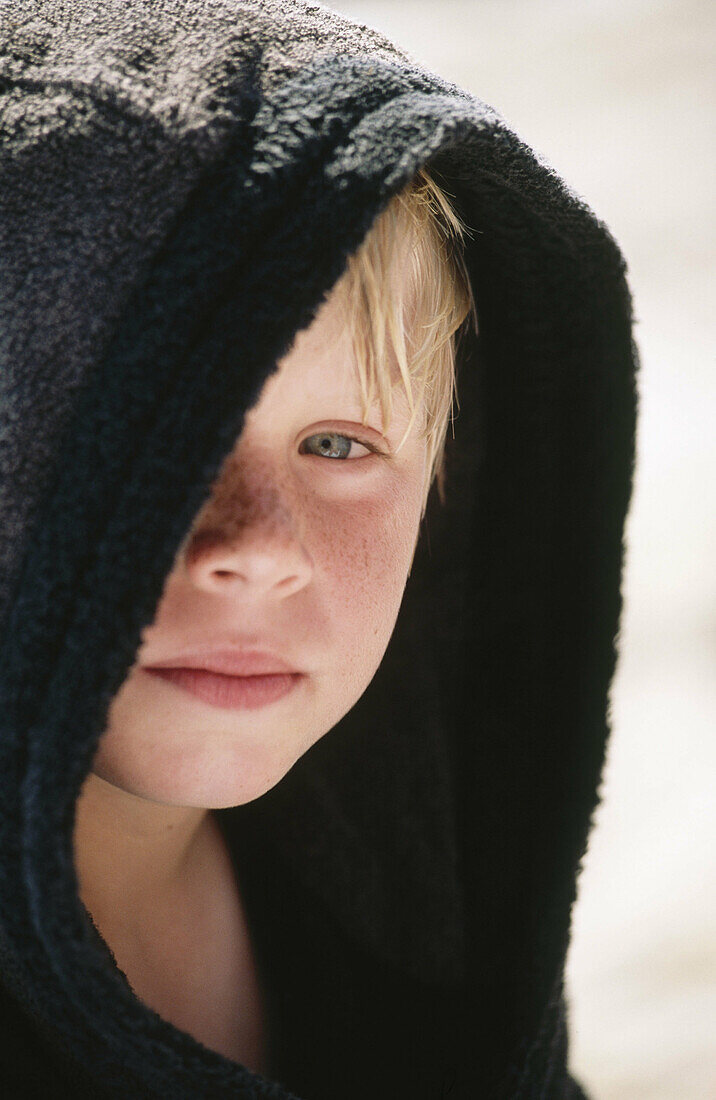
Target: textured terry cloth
x=178 y=178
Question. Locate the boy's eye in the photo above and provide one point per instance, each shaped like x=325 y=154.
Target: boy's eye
x=331 y=445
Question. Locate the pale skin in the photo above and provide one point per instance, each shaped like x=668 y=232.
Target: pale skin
x=296 y=552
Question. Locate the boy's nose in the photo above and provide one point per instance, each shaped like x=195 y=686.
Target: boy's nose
x=249 y=564
x=245 y=543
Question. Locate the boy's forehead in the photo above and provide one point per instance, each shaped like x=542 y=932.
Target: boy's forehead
x=327 y=343
x=322 y=361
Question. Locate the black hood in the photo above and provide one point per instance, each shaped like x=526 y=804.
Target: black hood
x=180 y=177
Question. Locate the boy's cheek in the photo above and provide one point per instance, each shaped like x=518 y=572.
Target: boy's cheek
x=367 y=569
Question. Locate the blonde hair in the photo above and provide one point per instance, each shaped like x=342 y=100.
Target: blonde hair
x=419 y=224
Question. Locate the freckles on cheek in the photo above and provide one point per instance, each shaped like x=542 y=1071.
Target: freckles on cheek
x=344 y=551
x=369 y=556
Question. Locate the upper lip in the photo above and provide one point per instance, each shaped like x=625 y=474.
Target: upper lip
x=231 y=662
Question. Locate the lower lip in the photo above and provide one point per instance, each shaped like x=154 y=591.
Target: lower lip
x=230 y=692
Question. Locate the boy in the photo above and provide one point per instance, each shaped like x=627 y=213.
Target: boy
x=293 y=800
x=302 y=551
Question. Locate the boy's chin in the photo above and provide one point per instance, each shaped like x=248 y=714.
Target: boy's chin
x=248 y=776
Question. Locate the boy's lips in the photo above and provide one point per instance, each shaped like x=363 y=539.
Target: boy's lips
x=228 y=661
x=232 y=679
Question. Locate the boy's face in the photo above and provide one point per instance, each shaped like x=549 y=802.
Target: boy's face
x=299 y=552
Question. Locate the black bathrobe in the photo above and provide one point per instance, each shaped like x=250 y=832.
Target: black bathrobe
x=180 y=179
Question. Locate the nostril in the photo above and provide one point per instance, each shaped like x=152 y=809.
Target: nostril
x=288 y=582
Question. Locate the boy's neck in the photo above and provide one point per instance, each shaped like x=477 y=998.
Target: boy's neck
x=133 y=857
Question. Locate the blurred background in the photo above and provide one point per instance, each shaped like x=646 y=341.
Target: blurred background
x=618 y=97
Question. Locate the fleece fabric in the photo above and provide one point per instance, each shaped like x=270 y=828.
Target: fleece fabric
x=179 y=178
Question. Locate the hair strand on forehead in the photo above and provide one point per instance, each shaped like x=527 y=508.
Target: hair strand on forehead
x=419 y=230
